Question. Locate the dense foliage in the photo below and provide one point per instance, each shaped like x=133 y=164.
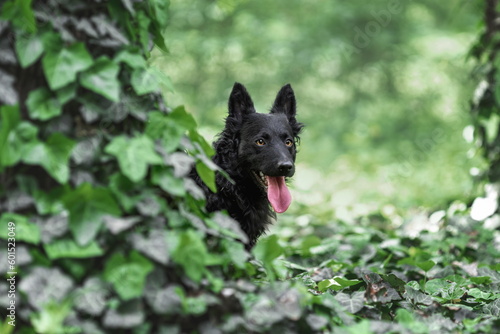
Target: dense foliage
x=111 y=235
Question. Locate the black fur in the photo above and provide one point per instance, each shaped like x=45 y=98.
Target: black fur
x=238 y=153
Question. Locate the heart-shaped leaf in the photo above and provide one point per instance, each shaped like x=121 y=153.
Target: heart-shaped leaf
x=87 y=208
x=61 y=66
x=102 y=79
x=52 y=155
x=134 y=155
x=42 y=105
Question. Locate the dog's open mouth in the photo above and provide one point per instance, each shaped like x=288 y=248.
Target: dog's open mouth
x=277 y=192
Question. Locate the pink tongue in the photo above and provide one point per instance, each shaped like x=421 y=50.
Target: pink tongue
x=278 y=194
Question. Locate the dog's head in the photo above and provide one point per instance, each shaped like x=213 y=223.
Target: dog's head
x=266 y=143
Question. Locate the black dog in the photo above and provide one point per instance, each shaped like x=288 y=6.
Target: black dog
x=258 y=152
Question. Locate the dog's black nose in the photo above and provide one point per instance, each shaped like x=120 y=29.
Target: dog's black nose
x=285 y=167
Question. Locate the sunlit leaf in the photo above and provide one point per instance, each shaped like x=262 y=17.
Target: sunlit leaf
x=50 y=319
x=28 y=49
x=61 y=66
x=336 y=283
x=207 y=175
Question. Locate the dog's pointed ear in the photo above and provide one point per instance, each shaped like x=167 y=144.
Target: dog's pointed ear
x=285 y=102
x=240 y=102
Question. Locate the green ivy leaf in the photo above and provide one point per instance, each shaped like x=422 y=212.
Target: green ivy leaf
x=122 y=187
x=163 y=79
x=197 y=138
x=20 y=13
x=482 y=295
x=414 y=295
x=67 y=248
x=87 y=207
x=353 y=303
x=42 y=105
x=164 y=178
x=408 y=320
x=337 y=283
x=102 y=78
x=23 y=230
x=183 y=119
x=481 y=279
x=9 y=120
x=158 y=38
x=49 y=202
x=394 y=281
x=19 y=142
x=268 y=249
x=16 y=138
x=66 y=93
x=134 y=155
x=143 y=31
x=426 y=265
x=236 y=253
x=28 y=48
x=133 y=60
x=160 y=11
x=436 y=286
x=144 y=81
x=51 y=41
x=308 y=242
x=50 y=319
x=128 y=275
x=191 y=253
x=61 y=66
x=207 y=175
x=161 y=126
x=53 y=156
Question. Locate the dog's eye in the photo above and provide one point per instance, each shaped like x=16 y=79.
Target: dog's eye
x=289 y=143
x=260 y=142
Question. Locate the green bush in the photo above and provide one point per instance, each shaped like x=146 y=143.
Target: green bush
x=111 y=235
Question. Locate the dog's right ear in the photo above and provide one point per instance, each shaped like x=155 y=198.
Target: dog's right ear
x=240 y=102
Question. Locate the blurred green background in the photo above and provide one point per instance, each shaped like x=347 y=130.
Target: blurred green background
x=382 y=86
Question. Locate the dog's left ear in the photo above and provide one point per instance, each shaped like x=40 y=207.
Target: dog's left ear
x=285 y=102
